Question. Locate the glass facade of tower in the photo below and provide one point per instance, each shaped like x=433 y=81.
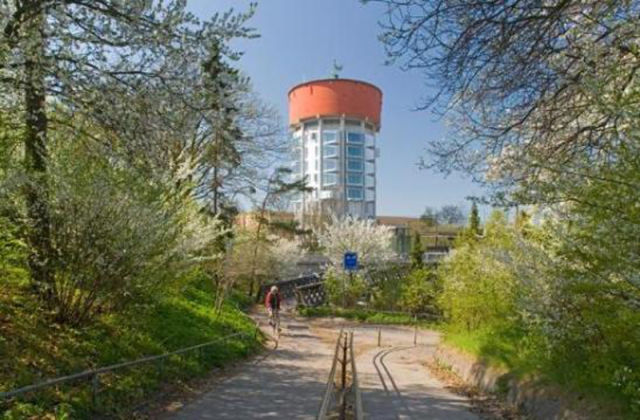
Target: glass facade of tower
x=338 y=158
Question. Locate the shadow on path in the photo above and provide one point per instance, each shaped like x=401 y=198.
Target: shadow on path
x=287 y=384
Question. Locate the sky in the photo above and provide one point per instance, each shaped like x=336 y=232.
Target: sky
x=299 y=39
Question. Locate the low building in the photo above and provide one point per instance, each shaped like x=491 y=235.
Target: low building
x=249 y=219
x=436 y=240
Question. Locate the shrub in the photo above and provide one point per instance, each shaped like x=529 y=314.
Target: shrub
x=116 y=236
x=419 y=291
x=387 y=284
x=478 y=287
x=342 y=288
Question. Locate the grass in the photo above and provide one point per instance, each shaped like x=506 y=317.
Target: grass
x=499 y=347
x=366 y=316
x=33 y=348
x=506 y=348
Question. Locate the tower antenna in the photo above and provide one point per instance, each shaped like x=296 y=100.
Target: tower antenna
x=335 y=71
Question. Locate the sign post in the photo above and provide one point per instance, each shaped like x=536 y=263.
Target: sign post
x=350 y=265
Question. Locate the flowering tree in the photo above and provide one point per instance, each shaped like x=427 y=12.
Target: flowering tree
x=371 y=241
x=250 y=262
x=88 y=59
x=287 y=253
x=542 y=100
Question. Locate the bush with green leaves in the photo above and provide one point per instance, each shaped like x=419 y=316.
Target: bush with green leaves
x=386 y=284
x=516 y=297
x=344 y=289
x=13 y=252
x=116 y=235
x=419 y=291
x=478 y=286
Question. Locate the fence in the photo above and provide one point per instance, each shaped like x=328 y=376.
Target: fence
x=311 y=294
x=288 y=287
x=345 y=400
x=94 y=374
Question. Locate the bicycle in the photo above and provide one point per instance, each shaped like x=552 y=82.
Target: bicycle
x=275 y=323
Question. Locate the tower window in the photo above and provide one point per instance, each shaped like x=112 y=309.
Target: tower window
x=330 y=151
x=355 y=138
x=329 y=179
x=354 y=179
x=329 y=137
x=354 y=193
x=355 y=151
x=330 y=164
x=355 y=165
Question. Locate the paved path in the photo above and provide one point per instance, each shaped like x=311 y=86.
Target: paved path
x=395 y=384
x=287 y=384
x=290 y=381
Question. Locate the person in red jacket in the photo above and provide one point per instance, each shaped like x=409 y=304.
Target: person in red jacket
x=272 y=303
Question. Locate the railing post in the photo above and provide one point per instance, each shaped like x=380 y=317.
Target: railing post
x=344 y=363
x=343 y=408
x=379 y=336
x=415 y=330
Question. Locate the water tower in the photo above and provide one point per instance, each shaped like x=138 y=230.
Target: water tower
x=333 y=125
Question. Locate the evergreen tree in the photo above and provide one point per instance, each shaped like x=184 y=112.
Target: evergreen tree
x=474 y=220
x=417 y=252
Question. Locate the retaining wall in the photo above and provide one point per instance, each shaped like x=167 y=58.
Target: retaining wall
x=538 y=401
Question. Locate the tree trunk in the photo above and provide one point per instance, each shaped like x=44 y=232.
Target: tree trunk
x=35 y=160
x=216 y=186
x=252 y=279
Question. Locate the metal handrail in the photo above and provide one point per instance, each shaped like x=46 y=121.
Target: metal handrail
x=310 y=285
x=328 y=393
x=355 y=385
x=350 y=398
x=414 y=314
x=94 y=373
x=375 y=311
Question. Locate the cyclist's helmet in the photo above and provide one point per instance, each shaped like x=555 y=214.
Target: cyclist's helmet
x=274 y=289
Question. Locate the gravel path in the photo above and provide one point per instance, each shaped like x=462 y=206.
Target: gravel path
x=288 y=383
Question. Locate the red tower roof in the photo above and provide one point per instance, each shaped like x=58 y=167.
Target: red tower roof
x=335 y=97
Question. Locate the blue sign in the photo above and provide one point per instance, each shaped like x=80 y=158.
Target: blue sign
x=350 y=261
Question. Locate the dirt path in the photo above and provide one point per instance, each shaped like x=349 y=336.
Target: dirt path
x=286 y=384
x=289 y=382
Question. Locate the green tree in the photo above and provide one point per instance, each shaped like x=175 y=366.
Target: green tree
x=524 y=69
x=478 y=288
x=417 y=252
x=419 y=291
x=344 y=289
x=450 y=214
x=88 y=57
x=278 y=188
x=474 y=220
x=429 y=217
